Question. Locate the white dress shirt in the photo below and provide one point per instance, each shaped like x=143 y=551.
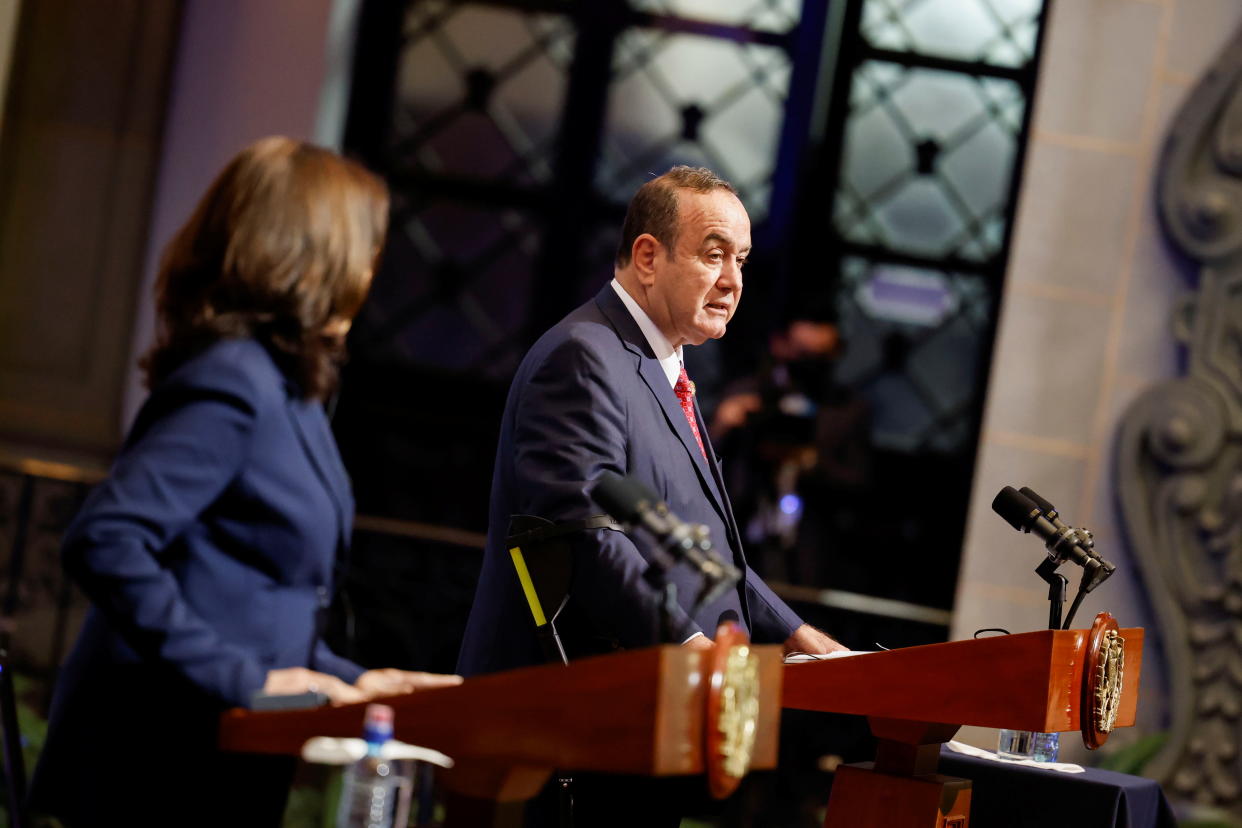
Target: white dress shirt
x=670 y=357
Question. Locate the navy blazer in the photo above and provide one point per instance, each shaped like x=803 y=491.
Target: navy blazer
x=591 y=397
x=208 y=556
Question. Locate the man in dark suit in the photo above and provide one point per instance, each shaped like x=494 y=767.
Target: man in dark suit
x=604 y=391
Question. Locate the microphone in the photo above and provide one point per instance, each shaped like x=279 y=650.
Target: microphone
x=1027 y=512
x=1047 y=508
x=629 y=501
x=1085 y=539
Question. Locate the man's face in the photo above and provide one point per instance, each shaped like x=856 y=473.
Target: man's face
x=697 y=285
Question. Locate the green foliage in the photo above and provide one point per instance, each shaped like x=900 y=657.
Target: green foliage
x=1204 y=817
x=1134 y=757
x=313 y=799
x=30 y=724
x=33 y=729
x=304 y=808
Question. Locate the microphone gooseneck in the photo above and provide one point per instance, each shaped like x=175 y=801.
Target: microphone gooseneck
x=630 y=501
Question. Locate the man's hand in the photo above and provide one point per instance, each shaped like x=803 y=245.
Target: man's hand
x=699 y=642
x=392 y=682
x=807 y=639
x=289 y=681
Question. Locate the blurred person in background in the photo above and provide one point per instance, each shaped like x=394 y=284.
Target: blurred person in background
x=208 y=551
x=796 y=443
x=796 y=449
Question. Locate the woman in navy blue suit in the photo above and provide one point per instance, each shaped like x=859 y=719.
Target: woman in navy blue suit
x=208 y=551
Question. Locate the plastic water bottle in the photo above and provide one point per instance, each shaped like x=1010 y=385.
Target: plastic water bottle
x=1025 y=744
x=376 y=791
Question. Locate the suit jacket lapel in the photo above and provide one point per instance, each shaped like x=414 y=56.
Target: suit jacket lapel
x=718 y=476
x=657 y=383
x=312 y=430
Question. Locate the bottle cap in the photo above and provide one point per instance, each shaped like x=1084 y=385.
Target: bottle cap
x=377 y=723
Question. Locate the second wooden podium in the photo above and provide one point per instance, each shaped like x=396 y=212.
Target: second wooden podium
x=916 y=698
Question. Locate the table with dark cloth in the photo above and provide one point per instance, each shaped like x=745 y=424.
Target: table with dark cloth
x=1015 y=796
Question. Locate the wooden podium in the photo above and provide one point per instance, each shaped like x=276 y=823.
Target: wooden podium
x=916 y=698
x=660 y=711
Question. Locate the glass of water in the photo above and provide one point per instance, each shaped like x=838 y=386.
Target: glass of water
x=1025 y=744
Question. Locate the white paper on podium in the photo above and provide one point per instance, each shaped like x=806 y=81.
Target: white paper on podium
x=803 y=658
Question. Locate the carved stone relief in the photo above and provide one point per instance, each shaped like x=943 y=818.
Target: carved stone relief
x=1179 y=451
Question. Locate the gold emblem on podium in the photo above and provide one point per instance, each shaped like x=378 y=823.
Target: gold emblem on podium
x=739 y=710
x=1110 y=672
x=732 y=722
x=1103 y=675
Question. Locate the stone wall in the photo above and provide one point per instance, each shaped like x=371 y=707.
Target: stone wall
x=1085 y=325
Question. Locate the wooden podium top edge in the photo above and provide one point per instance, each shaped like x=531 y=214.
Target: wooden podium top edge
x=1025 y=681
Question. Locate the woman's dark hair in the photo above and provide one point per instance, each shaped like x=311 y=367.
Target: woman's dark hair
x=280 y=248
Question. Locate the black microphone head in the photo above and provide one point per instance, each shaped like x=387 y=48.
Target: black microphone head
x=622 y=497
x=1097 y=573
x=1018 y=510
x=1044 y=506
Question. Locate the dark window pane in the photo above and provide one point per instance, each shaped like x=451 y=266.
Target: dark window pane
x=455 y=289
x=916 y=340
x=480 y=90
x=928 y=159
x=688 y=99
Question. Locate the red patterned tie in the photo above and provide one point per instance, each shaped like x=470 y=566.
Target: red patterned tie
x=685 y=394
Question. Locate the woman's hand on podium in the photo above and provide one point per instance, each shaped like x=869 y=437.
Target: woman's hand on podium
x=807 y=639
x=391 y=682
x=289 y=681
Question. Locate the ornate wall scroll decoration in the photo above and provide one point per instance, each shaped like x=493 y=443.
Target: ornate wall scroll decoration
x=1179 y=451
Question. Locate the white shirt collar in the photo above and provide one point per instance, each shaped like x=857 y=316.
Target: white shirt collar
x=670 y=357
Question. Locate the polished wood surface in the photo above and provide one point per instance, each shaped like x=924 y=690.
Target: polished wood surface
x=626 y=713
x=916 y=698
x=861 y=797
x=771 y=675
x=1028 y=681
x=635 y=712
